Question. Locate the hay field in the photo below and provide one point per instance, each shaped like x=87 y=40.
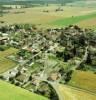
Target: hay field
x=69 y=93
x=84 y=80
x=5 y=63
x=37 y=16
x=88 y=23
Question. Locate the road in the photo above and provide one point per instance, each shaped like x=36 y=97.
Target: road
x=64 y=93
x=55 y=86
x=84 y=57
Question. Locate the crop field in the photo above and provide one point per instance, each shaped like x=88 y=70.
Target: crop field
x=84 y=80
x=74 y=20
x=11 y=92
x=36 y=15
x=85 y=23
x=48 y=54
x=69 y=93
x=5 y=63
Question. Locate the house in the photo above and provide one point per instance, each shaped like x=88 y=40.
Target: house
x=54 y=76
x=10 y=74
x=3 y=40
x=14 y=43
x=23 y=78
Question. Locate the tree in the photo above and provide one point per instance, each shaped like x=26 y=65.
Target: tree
x=17 y=84
x=11 y=79
x=1 y=12
x=89 y=60
x=1 y=77
x=62 y=2
x=68 y=76
x=30 y=78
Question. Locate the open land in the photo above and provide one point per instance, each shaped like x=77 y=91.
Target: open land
x=39 y=16
x=6 y=63
x=67 y=74
x=10 y=92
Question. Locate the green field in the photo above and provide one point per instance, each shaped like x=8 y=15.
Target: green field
x=84 y=80
x=52 y=18
x=8 y=93
x=5 y=63
x=11 y=92
x=73 y=20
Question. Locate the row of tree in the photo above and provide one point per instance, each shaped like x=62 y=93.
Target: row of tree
x=20 y=2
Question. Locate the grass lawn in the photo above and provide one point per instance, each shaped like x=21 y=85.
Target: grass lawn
x=5 y=63
x=11 y=92
x=84 y=80
x=73 y=20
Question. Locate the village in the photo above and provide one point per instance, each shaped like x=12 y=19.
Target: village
x=44 y=57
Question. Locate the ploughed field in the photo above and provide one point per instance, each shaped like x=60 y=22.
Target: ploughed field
x=82 y=85
x=49 y=17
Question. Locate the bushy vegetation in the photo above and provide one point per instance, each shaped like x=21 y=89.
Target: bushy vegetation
x=53 y=55
x=3 y=48
x=47 y=91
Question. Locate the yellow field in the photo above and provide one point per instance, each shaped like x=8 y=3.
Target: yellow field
x=69 y=93
x=5 y=63
x=84 y=80
x=37 y=16
x=88 y=23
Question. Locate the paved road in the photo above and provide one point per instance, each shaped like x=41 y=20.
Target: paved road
x=54 y=85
